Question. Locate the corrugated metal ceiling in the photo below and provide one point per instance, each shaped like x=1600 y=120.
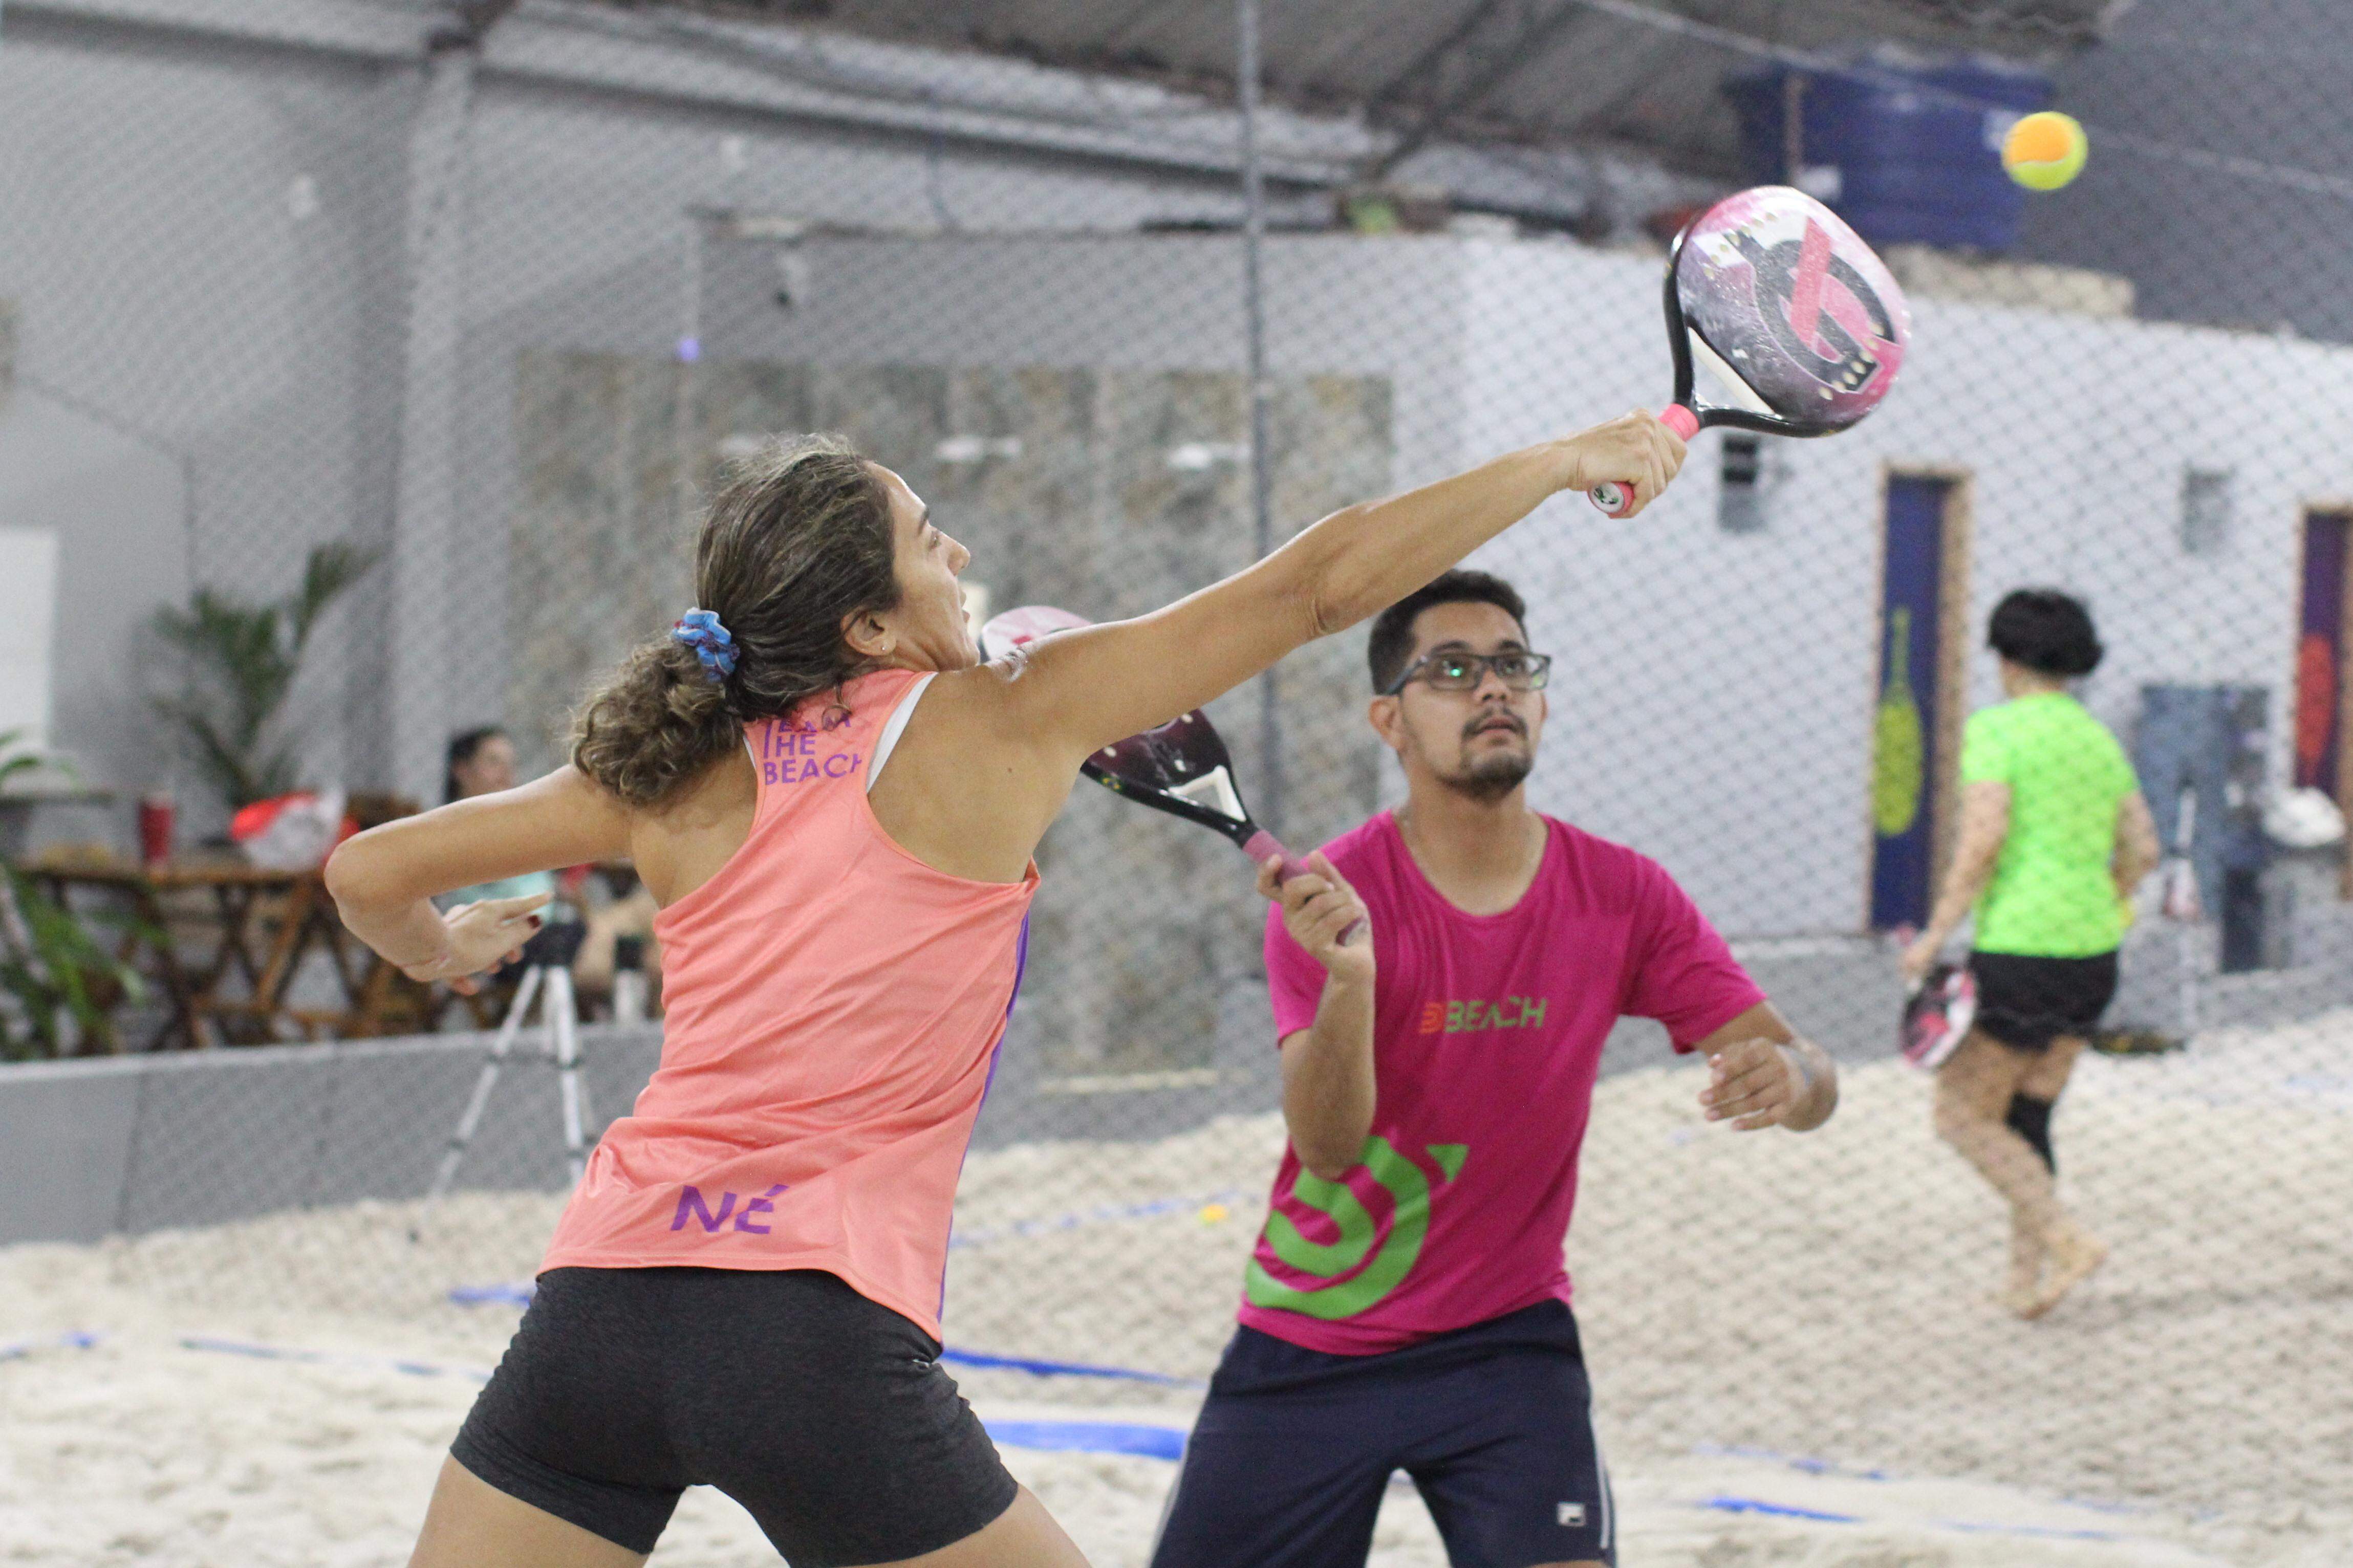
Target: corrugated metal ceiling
x=1637 y=73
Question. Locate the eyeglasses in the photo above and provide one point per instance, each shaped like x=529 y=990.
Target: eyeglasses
x=1465 y=671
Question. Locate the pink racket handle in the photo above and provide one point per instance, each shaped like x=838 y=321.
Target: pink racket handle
x=1263 y=843
x=1617 y=499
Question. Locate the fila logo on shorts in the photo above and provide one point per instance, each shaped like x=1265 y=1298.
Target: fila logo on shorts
x=1570 y=1515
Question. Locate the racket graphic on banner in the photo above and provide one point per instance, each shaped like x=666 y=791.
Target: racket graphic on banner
x=1181 y=767
x=1793 y=315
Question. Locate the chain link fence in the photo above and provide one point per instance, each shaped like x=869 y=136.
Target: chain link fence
x=494 y=310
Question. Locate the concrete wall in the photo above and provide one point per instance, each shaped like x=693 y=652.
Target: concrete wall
x=208 y=213
x=205 y=254
x=1712 y=704
x=187 y=309
x=134 y=1144
x=2220 y=136
x=91 y=1148
x=1716 y=705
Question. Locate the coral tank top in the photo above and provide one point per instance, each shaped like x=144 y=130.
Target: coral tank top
x=832 y=1012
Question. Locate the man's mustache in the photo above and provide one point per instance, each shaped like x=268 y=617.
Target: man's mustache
x=1485 y=721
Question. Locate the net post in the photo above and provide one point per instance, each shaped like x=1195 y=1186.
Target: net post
x=1246 y=77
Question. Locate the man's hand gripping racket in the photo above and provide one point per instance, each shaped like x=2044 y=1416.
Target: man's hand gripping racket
x=1794 y=316
x=1181 y=768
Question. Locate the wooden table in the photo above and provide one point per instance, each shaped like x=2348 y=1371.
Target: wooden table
x=266 y=922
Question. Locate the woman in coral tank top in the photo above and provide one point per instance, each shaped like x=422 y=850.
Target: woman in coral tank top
x=835 y=803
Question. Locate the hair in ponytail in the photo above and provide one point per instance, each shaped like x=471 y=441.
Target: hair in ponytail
x=798 y=541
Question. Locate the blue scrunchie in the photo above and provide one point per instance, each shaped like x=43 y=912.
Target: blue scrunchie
x=701 y=630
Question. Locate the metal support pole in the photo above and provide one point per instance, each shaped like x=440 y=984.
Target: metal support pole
x=686 y=388
x=1271 y=788
x=562 y=1013
x=425 y=514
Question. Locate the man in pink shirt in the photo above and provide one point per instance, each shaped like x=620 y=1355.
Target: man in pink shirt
x=1407 y=1307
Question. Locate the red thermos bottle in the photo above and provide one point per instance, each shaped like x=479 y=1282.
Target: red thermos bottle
x=155 y=828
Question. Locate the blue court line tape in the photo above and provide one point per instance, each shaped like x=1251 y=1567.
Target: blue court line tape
x=2043 y=1531
x=1037 y=1366
x=325 y=1358
x=1128 y=1437
x=1806 y=1463
x=71 y=1339
x=1813 y=1467
x=1777 y=1510
x=492 y=1295
x=1091 y=1437
x=1974 y=1527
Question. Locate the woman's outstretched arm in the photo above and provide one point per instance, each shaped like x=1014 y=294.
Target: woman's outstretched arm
x=1985 y=828
x=2136 y=853
x=1088 y=689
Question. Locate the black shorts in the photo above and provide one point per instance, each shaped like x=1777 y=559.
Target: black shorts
x=826 y=1416
x=1293 y=1451
x=2024 y=1001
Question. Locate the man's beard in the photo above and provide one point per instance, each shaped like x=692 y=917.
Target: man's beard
x=1489 y=778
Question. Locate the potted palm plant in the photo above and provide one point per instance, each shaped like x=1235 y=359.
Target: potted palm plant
x=241 y=661
x=55 y=974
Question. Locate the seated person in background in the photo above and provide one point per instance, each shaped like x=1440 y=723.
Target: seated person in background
x=626 y=915
x=482 y=762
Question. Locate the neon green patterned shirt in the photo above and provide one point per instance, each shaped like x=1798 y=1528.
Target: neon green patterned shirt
x=2051 y=894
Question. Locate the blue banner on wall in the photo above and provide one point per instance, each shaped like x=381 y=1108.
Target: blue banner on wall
x=1904 y=758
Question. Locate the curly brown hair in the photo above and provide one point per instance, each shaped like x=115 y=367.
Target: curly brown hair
x=798 y=541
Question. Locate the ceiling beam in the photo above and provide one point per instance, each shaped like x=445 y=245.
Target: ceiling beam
x=1476 y=68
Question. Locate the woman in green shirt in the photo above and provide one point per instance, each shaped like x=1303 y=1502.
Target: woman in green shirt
x=2055 y=837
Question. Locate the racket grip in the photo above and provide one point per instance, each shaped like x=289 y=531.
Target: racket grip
x=1617 y=499
x=1263 y=843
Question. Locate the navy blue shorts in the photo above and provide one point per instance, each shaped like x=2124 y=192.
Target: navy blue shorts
x=1288 y=1463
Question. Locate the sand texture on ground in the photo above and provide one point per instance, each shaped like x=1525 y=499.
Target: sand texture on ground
x=1774 y=1323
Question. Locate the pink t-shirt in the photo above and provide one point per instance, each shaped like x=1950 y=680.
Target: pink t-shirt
x=1487 y=1036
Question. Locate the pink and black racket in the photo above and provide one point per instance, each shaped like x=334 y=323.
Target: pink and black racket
x=1938 y=1014
x=1790 y=311
x=1181 y=767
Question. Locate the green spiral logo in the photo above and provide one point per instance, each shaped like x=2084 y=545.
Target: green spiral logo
x=1359 y=1284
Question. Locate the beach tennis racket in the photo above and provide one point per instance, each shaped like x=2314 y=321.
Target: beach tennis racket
x=1181 y=767
x=1938 y=1014
x=1793 y=315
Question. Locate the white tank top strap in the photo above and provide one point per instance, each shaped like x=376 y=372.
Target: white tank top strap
x=894 y=727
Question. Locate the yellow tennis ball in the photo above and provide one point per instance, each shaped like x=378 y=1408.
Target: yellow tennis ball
x=1212 y=1214
x=2043 y=152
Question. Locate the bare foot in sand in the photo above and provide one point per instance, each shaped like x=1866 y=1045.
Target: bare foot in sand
x=2075 y=1255
x=2023 y=1288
